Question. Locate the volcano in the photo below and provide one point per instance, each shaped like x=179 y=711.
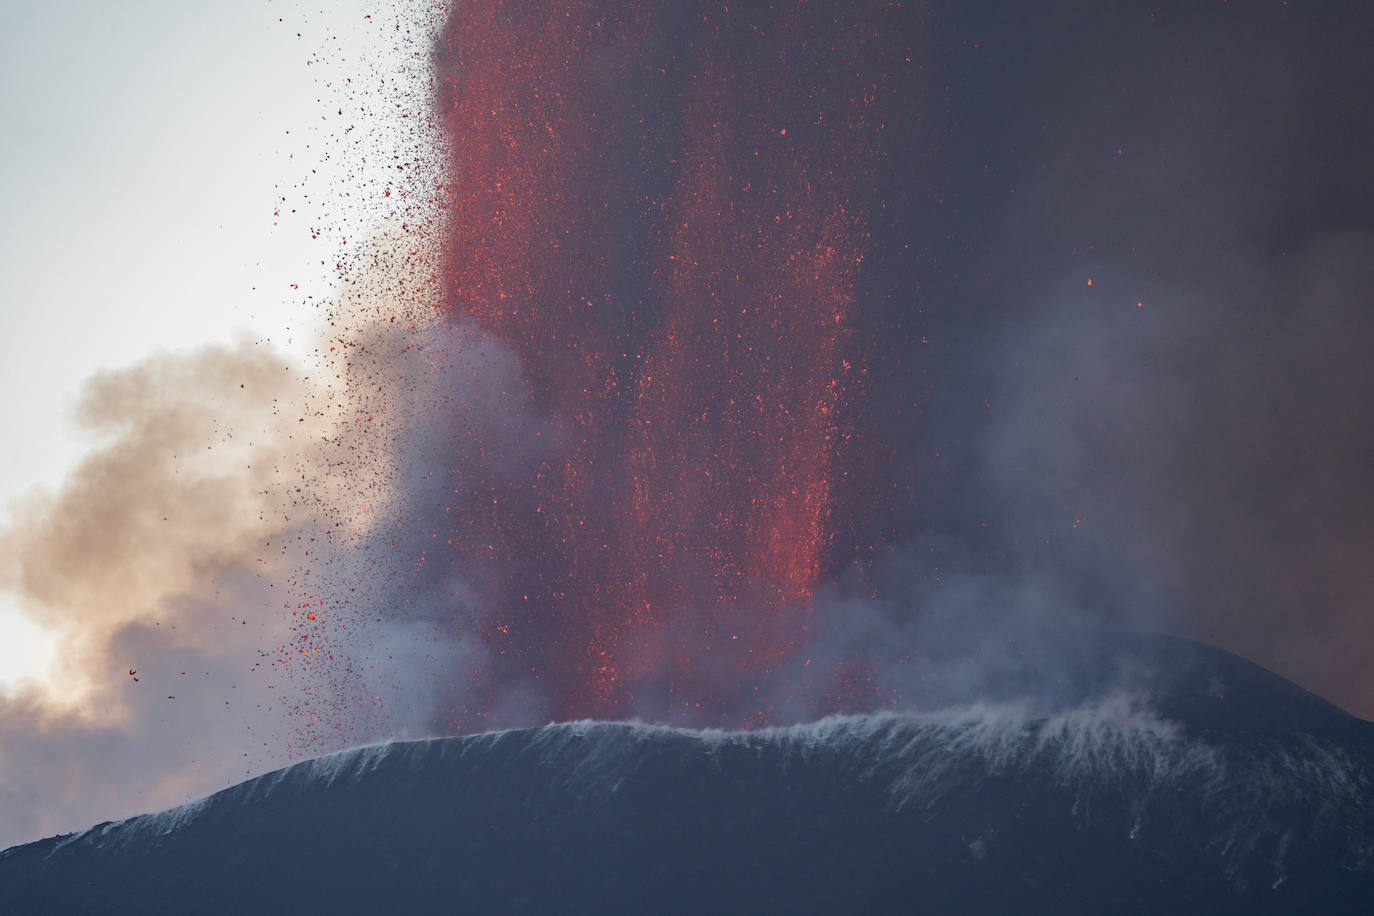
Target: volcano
x=1180 y=778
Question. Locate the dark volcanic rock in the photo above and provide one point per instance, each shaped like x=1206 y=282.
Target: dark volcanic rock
x=1188 y=781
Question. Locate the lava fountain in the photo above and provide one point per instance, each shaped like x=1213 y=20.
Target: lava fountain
x=664 y=210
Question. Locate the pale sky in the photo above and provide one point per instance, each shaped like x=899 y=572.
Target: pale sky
x=146 y=145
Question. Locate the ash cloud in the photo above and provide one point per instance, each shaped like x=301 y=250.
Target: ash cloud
x=1136 y=282
x=446 y=414
x=1061 y=455
x=1212 y=444
x=1155 y=361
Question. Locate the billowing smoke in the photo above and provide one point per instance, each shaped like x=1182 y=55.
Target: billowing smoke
x=216 y=569
x=1141 y=287
x=1176 y=314
x=158 y=563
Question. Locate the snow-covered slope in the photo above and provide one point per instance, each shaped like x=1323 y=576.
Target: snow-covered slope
x=1229 y=790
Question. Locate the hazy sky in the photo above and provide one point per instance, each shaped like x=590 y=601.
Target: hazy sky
x=147 y=144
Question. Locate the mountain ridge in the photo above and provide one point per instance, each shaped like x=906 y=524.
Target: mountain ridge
x=1230 y=790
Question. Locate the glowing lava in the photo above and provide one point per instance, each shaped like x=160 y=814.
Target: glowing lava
x=663 y=210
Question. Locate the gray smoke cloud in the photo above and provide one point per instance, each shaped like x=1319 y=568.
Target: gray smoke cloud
x=1175 y=318
x=220 y=567
x=1209 y=446
x=1142 y=380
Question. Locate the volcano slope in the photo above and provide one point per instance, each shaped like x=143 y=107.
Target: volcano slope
x=1189 y=780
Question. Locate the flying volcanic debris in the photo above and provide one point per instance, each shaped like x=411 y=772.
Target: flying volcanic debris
x=664 y=211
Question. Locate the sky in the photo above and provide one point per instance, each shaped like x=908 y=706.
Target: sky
x=149 y=146
x=385 y=373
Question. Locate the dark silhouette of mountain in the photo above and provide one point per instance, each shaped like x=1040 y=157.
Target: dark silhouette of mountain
x=1186 y=781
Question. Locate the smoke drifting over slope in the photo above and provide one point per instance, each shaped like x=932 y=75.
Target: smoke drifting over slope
x=152 y=559
x=1177 y=382
x=183 y=564
x=213 y=568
